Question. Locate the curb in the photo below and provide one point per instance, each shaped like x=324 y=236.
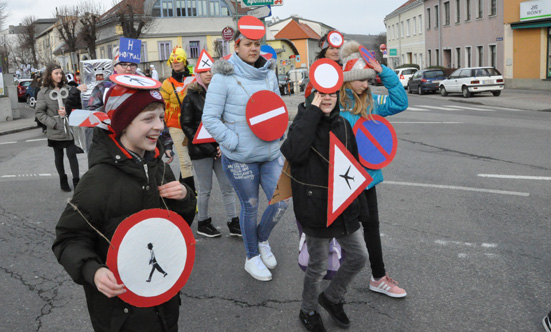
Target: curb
x=11 y=131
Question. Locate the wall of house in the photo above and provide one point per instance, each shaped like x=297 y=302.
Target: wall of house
x=408 y=42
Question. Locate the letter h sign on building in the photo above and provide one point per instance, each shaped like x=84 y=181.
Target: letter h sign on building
x=251 y=3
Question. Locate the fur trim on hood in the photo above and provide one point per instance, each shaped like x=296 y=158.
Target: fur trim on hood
x=224 y=67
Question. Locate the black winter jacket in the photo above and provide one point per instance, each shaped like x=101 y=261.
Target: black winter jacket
x=116 y=186
x=310 y=171
x=190 y=118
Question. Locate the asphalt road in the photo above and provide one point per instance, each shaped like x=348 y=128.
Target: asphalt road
x=465 y=223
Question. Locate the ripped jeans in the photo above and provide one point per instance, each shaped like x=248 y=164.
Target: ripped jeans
x=246 y=179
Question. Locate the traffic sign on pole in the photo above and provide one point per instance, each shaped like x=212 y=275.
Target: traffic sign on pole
x=261 y=12
x=251 y=3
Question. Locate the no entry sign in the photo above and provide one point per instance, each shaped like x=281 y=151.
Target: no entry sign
x=267 y=115
x=251 y=27
x=152 y=253
x=377 y=141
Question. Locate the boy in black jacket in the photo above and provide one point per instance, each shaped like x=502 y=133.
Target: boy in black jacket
x=307 y=150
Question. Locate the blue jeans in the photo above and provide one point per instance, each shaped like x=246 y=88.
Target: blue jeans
x=246 y=179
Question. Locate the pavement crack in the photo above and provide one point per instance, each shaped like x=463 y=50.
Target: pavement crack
x=243 y=304
x=474 y=156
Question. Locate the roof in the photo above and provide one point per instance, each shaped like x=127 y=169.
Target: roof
x=136 y=4
x=294 y=30
x=405 y=6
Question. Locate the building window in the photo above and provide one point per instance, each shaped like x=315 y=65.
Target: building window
x=480 y=8
x=480 y=51
x=428 y=18
x=493 y=55
x=143 y=52
x=407 y=28
x=437 y=57
x=457 y=11
x=165 y=49
x=446 y=13
x=458 y=57
x=180 y=8
x=429 y=58
x=109 y=52
x=194 y=49
x=402 y=30
x=415 y=25
x=102 y=53
x=468 y=56
x=549 y=53
x=467 y=10
x=420 y=25
x=168 y=8
x=202 y=8
x=436 y=17
x=493 y=7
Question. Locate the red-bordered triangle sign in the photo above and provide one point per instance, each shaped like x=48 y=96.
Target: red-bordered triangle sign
x=347 y=179
x=152 y=253
x=202 y=136
x=204 y=63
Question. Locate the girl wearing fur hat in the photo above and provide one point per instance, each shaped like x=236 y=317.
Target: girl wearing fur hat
x=126 y=175
x=357 y=100
x=173 y=91
x=248 y=161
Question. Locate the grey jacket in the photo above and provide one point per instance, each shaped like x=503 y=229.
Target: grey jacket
x=46 y=112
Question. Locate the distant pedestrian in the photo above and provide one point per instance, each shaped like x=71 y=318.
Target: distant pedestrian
x=154 y=73
x=55 y=118
x=249 y=161
x=126 y=176
x=357 y=100
x=308 y=152
x=206 y=159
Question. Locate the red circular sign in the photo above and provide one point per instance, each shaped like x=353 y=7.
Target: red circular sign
x=135 y=81
x=227 y=33
x=377 y=141
x=335 y=39
x=251 y=27
x=382 y=47
x=267 y=115
x=326 y=76
x=152 y=253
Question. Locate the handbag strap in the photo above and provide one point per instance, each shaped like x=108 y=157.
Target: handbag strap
x=176 y=93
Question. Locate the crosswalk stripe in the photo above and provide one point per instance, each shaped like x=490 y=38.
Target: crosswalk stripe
x=415 y=109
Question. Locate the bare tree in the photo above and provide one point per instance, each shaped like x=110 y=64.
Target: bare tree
x=90 y=15
x=3 y=12
x=133 y=17
x=217 y=48
x=66 y=25
x=26 y=41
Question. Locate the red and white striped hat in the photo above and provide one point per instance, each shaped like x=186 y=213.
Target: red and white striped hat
x=354 y=66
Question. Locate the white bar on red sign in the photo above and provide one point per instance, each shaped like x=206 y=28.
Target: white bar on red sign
x=251 y=27
x=268 y=115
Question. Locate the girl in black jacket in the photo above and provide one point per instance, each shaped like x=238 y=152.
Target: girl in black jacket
x=307 y=150
x=205 y=158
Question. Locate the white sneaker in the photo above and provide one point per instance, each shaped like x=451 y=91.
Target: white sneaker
x=257 y=269
x=266 y=254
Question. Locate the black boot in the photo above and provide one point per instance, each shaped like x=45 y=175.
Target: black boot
x=206 y=228
x=233 y=225
x=64 y=183
x=75 y=182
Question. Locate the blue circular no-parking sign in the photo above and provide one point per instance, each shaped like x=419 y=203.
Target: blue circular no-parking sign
x=377 y=141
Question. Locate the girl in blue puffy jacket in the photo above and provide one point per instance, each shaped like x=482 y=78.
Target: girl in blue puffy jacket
x=357 y=101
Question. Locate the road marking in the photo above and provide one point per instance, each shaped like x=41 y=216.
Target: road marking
x=25 y=175
x=415 y=109
x=472 y=108
x=7 y=143
x=438 y=108
x=438 y=186
x=427 y=122
x=516 y=177
x=36 y=140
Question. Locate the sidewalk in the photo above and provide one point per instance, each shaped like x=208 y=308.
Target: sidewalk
x=533 y=100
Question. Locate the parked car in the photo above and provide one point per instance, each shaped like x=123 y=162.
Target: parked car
x=285 y=85
x=299 y=75
x=375 y=81
x=426 y=80
x=404 y=74
x=469 y=81
x=22 y=88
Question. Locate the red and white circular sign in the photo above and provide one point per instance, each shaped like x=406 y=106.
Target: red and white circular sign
x=227 y=33
x=335 y=39
x=251 y=27
x=152 y=253
x=135 y=81
x=326 y=76
x=267 y=115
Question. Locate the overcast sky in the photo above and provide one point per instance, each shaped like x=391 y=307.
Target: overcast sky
x=349 y=16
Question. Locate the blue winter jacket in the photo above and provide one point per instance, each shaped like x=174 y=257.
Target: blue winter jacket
x=233 y=82
x=383 y=105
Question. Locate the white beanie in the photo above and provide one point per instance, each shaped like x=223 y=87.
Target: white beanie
x=354 y=66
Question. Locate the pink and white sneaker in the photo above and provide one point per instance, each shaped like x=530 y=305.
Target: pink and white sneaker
x=387 y=286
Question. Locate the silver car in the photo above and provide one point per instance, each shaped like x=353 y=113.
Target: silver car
x=469 y=81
